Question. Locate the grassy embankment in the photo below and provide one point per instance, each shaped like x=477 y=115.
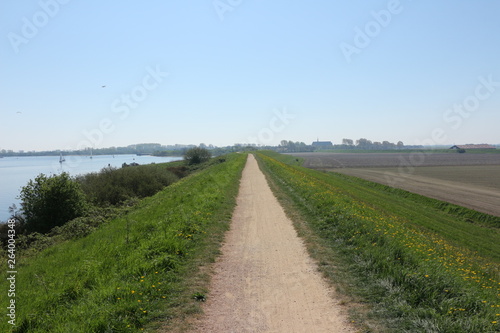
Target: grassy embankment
x=135 y=271
x=417 y=267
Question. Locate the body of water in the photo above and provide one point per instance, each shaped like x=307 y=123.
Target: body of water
x=15 y=172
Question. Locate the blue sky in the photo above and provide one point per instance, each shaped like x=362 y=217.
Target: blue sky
x=247 y=71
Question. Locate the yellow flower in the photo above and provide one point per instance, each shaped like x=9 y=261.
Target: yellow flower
x=133 y=291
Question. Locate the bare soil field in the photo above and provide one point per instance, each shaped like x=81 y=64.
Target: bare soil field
x=417 y=159
x=468 y=180
x=265 y=281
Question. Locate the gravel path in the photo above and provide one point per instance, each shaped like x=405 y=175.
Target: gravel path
x=264 y=280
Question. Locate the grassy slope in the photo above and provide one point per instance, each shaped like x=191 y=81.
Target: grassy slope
x=132 y=271
x=423 y=213
x=415 y=265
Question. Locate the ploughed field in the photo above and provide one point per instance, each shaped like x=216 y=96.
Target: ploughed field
x=375 y=160
x=469 y=180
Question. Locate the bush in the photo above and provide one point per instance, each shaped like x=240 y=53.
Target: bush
x=197 y=155
x=113 y=186
x=47 y=202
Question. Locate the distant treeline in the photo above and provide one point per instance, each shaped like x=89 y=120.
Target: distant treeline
x=368 y=144
x=154 y=149
x=141 y=149
x=347 y=144
x=157 y=149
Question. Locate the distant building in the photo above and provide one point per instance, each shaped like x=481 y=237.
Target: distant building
x=481 y=146
x=322 y=144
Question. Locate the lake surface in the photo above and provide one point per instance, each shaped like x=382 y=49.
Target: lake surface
x=15 y=172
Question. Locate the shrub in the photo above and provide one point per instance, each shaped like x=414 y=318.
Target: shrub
x=47 y=202
x=113 y=186
x=197 y=155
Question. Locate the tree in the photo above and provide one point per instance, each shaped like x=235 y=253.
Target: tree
x=197 y=155
x=364 y=143
x=48 y=202
x=347 y=142
x=388 y=145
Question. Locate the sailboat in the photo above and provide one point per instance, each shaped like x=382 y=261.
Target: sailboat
x=91 y=153
x=61 y=158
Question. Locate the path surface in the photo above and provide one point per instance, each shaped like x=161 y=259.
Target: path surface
x=264 y=280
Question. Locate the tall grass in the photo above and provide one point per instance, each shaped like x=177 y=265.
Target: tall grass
x=131 y=272
x=414 y=278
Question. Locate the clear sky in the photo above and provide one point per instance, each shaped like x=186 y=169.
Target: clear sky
x=247 y=71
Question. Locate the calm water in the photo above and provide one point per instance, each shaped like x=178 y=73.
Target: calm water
x=15 y=172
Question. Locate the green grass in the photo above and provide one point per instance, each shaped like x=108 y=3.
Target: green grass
x=417 y=268
x=287 y=159
x=393 y=197
x=137 y=271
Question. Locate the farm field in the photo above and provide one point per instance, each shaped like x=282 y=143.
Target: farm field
x=415 y=159
x=472 y=181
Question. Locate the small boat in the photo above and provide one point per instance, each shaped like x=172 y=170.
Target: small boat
x=61 y=158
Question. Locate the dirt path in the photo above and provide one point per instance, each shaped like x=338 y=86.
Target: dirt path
x=264 y=280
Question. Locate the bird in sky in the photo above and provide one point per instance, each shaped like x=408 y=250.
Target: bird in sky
x=103 y=87
x=19 y=112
